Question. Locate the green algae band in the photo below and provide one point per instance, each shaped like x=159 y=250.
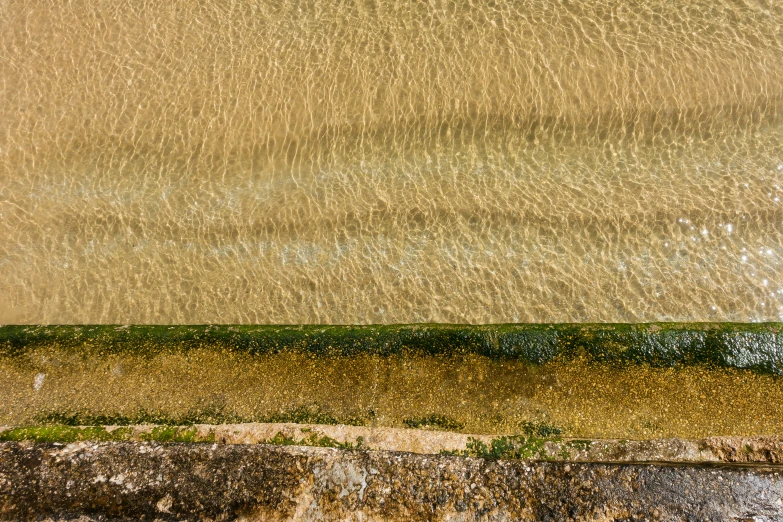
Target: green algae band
x=756 y=346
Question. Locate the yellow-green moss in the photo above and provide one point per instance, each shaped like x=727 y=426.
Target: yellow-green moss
x=210 y=414
x=65 y=434
x=434 y=421
x=315 y=440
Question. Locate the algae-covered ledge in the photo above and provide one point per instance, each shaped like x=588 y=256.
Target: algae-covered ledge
x=753 y=346
x=641 y=381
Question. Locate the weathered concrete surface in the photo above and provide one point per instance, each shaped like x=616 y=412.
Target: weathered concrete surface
x=763 y=450
x=127 y=480
x=758 y=450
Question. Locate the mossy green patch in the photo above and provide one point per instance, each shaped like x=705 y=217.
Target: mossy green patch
x=208 y=415
x=65 y=434
x=59 y=433
x=434 y=421
x=71 y=418
x=529 y=445
x=511 y=447
x=321 y=441
x=754 y=346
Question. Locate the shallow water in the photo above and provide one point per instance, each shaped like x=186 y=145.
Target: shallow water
x=384 y=162
x=472 y=394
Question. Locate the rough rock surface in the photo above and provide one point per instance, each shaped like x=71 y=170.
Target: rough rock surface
x=127 y=480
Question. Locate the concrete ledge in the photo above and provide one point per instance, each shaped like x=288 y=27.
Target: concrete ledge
x=121 y=480
x=711 y=450
x=651 y=381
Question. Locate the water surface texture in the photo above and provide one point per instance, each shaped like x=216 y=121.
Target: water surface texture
x=390 y=161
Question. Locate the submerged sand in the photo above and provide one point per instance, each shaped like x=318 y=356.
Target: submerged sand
x=388 y=162
x=472 y=394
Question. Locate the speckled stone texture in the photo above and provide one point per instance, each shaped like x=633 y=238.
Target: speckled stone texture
x=116 y=481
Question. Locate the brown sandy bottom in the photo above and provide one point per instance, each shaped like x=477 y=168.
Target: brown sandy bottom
x=470 y=394
x=381 y=162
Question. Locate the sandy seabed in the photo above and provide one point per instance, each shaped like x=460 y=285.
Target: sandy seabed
x=390 y=162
